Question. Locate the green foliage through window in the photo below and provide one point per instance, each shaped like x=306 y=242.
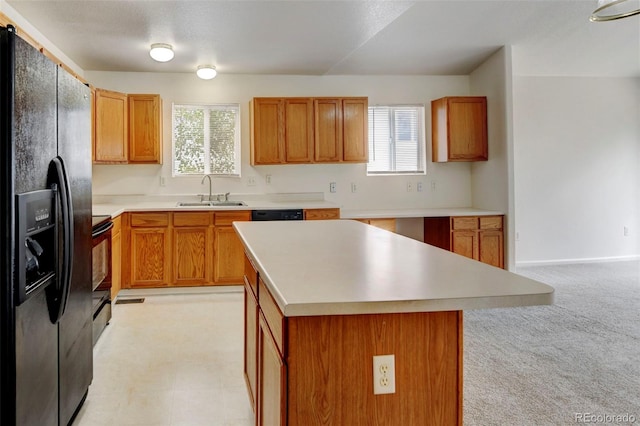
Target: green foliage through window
x=206 y=139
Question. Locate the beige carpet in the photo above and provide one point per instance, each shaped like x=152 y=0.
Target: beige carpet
x=578 y=359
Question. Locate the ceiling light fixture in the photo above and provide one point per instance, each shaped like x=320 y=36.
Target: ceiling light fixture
x=161 y=52
x=206 y=72
x=609 y=10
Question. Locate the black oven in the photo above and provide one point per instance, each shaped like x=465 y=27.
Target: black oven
x=101 y=275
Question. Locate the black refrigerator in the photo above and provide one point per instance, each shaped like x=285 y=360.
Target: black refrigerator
x=46 y=357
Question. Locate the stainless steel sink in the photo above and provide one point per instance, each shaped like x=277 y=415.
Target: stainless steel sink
x=210 y=203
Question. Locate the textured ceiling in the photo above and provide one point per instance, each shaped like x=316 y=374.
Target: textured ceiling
x=451 y=37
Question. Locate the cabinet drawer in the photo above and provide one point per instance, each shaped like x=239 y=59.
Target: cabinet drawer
x=227 y=218
x=458 y=223
x=192 y=219
x=251 y=275
x=321 y=214
x=147 y=220
x=490 y=222
x=272 y=314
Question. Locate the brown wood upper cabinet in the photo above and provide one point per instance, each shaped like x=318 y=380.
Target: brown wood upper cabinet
x=127 y=128
x=110 y=127
x=145 y=129
x=459 y=129
x=308 y=130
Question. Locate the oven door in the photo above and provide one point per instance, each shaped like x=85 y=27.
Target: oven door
x=101 y=256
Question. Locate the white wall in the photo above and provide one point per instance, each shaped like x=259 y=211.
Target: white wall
x=491 y=181
x=29 y=29
x=452 y=180
x=577 y=168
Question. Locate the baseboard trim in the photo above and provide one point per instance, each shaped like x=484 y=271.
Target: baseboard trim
x=173 y=291
x=571 y=261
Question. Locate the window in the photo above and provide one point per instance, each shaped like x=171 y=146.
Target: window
x=396 y=140
x=206 y=139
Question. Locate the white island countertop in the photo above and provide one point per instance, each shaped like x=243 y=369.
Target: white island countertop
x=337 y=267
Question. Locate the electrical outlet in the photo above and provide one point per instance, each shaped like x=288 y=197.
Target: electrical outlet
x=332 y=187
x=163 y=181
x=251 y=181
x=409 y=187
x=267 y=179
x=419 y=187
x=626 y=231
x=384 y=374
x=433 y=186
x=354 y=187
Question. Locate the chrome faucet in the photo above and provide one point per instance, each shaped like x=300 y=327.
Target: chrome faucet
x=202 y=182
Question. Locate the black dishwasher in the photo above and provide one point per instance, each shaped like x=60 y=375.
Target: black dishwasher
x=288 y=214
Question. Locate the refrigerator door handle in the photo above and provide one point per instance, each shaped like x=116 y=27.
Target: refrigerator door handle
x=58 y=175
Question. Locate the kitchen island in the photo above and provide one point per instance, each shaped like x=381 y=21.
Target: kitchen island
x=323 y=298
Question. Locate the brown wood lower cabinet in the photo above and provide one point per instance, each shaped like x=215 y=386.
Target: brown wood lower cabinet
x=318 y=370
x=385 y=223
x=272 y=382
x=321 y=214
x=150 y=250
x=476 y=237
x=116 y=257
x=163 y=249
x=228 y=251
x=251 y=315
x=192 y=247
x=251 y=344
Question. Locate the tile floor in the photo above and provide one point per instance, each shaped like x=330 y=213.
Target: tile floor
x=174 y=360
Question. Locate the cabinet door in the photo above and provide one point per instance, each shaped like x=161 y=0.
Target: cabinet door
x=465 y=243
x=459 y=129
x=145 y=129
x=298 y=133
x=116 y=258
x=271 y=380
x=110 y=127
x=251 y=343
x=468 y=128
x=355 y=129
x=267 y=131
x=191 y=247
x=328 y=130
x=228 y=256
x=150 y=257
x=491 y=248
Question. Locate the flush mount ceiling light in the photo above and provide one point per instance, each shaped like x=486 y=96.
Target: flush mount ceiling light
x=609 y=10
x=161 y=52
x=206 y=72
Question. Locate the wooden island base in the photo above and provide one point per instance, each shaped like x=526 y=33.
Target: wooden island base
x=322 y=298
x=329 y=367
x=318 y=370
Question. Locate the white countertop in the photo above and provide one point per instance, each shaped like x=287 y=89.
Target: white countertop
x=416 y=212
x=339 y=267
x=117 y=205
